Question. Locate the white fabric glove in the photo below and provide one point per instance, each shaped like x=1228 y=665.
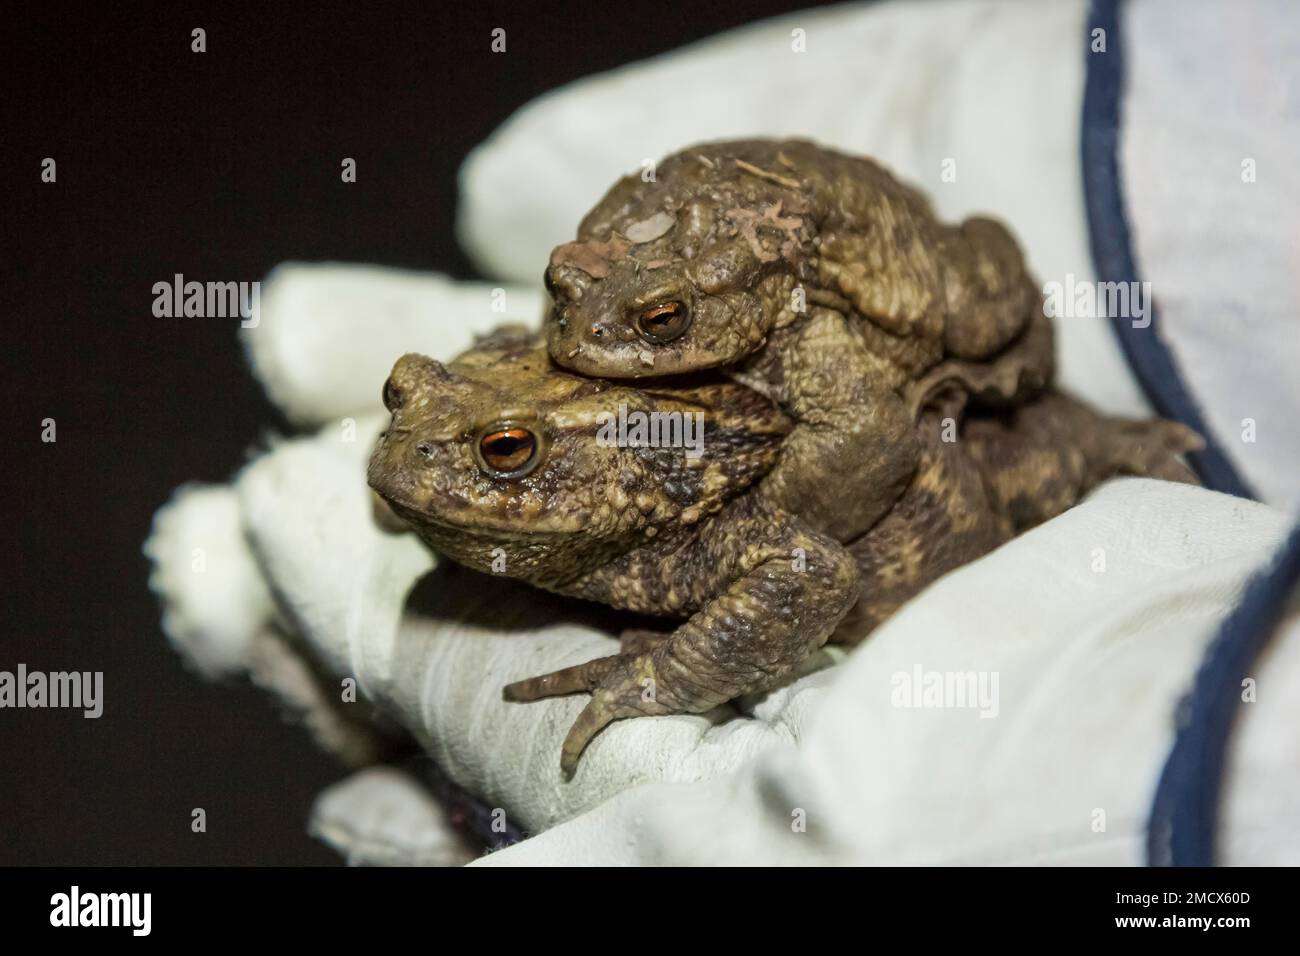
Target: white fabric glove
x=1089 y=662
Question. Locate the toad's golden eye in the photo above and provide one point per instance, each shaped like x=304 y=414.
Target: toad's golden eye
x=663 y=322
x=509 y=452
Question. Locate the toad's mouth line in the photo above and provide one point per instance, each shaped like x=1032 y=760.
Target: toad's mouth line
x=467 y=522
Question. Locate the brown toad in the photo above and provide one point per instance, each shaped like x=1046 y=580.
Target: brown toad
x=499 y=457
x=812 y=276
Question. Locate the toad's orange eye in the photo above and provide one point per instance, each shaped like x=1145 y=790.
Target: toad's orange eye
x=509 y=452
x=664 y=322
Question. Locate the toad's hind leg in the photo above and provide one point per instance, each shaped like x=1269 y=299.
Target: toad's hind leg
x=997 y=341
x=1041 y=458
x=990 y=298
x=853 y=449
x=1017 y=374
x=1003 y=475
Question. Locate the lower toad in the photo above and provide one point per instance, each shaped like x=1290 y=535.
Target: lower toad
x=496 y=456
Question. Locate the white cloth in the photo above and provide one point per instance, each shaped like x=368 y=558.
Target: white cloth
x=1209 y=162
x=1088 y=662
x=1090 y=665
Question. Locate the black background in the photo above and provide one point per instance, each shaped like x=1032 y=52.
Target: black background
x=215 y=165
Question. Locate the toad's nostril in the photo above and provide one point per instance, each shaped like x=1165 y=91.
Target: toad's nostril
x=597 y=331
x=425 y=449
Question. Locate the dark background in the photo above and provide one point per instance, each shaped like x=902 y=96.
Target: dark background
x=215 y=165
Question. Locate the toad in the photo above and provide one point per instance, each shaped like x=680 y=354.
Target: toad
x=817 y=278
x=497 y=461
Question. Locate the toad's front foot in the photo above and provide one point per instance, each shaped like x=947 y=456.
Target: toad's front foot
x=777 y=591
x=623 y=685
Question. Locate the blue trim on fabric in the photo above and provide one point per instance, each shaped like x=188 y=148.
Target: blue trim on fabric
x=1112 y=252
x=1184 y=814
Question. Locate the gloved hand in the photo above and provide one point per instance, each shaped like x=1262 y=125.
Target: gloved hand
x=833 y=767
